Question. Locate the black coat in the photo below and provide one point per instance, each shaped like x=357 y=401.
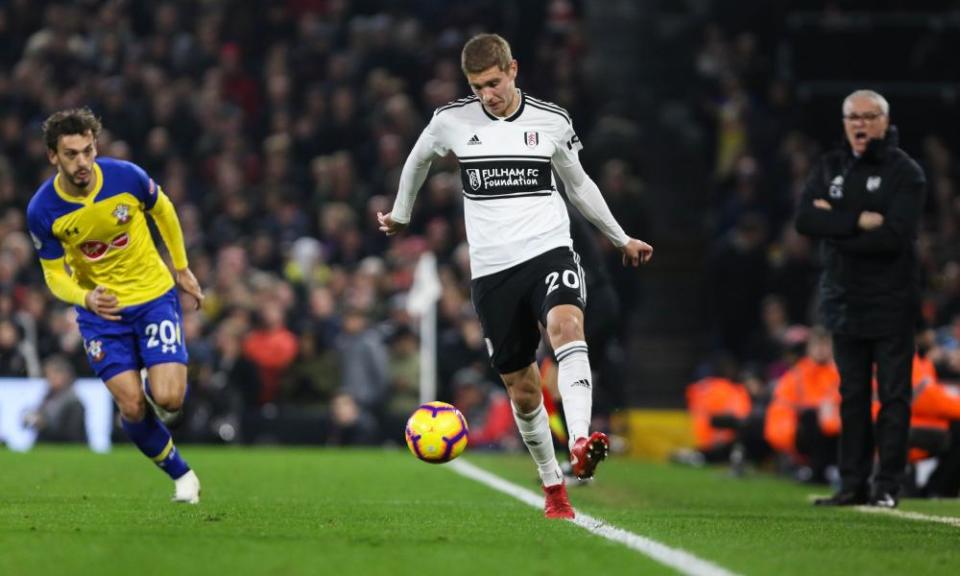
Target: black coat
x=870 y=282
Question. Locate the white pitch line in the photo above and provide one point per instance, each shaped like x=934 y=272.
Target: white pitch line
x=680 y=560
x=949 y=520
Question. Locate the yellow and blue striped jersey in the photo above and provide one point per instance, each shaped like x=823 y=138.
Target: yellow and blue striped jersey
x=104 y=238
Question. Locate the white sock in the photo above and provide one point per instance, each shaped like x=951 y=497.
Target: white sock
x=576 y=387
x=535 y=431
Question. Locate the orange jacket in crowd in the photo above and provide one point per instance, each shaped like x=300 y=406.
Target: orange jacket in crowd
x=272 y=350
x=711 y=397
x=807 y=385
x=934 y=406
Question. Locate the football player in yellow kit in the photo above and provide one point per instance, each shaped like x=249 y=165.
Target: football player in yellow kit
x=89 y=225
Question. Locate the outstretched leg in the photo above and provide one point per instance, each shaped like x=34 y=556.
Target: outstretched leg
x=149 y=434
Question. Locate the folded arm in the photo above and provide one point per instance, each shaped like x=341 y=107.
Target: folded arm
x=899 y=223
x=815 y=220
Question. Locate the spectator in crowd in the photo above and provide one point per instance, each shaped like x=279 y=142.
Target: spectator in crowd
x=864 y=203
x=364 y=362
x=272 y=347
x=935 y=410
x=716 y=404
x=60 y=415
x=350 y=424
x=314 y=376
x=12 y=360
x=404 y=394
x=737 y=278
x=751 y=447
x=768 y=343
x=803 y=420
x=487 y=410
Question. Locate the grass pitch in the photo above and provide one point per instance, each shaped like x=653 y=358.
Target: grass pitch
x=288 y=512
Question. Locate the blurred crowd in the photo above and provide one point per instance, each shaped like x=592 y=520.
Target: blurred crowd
x=761 y=273
x=278 y=129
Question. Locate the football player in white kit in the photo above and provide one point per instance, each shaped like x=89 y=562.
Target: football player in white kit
x=524 y=270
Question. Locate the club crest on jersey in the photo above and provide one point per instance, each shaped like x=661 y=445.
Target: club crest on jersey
x=836 y=187
x=531 y=139
x=95 y=350
x=122 y=213
x=474 y=175
x=873 y=183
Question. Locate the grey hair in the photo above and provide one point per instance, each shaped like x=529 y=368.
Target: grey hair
x=875 y=96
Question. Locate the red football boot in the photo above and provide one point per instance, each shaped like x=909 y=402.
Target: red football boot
x=557 y=505
x=587 y=453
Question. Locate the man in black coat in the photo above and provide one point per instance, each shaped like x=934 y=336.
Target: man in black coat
x=864 y=202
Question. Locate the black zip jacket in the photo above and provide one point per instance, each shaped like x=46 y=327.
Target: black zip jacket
x=870 y=282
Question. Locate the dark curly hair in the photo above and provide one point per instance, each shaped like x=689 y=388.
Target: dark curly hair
x=68 y=122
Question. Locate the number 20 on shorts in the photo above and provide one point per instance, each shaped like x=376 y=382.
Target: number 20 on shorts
x=570 y=279
x=165 y=333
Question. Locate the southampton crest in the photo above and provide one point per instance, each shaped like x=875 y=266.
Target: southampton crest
x=95 y=350
x=122 y=213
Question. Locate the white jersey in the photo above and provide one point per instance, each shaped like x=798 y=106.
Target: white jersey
x=512 y=209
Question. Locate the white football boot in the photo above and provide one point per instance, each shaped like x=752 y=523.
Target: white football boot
x=187 y=489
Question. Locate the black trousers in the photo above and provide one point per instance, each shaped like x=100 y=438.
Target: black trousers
x=856 y=357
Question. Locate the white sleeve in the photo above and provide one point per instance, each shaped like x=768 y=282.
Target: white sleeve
x=415 y=170
x=583 y=191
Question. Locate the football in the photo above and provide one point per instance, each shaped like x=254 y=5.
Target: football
x=437 y=432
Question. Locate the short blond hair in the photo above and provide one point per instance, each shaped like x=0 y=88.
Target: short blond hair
x=484 y=51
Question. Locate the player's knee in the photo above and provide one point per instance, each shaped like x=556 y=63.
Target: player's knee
x=524 y=392
x=132 y=408
x=563 y=328
x=526 y=400
x=169 y=397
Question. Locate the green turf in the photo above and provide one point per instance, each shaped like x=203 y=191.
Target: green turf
x=273 y=511
x=760 y=524
x=281 y=511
